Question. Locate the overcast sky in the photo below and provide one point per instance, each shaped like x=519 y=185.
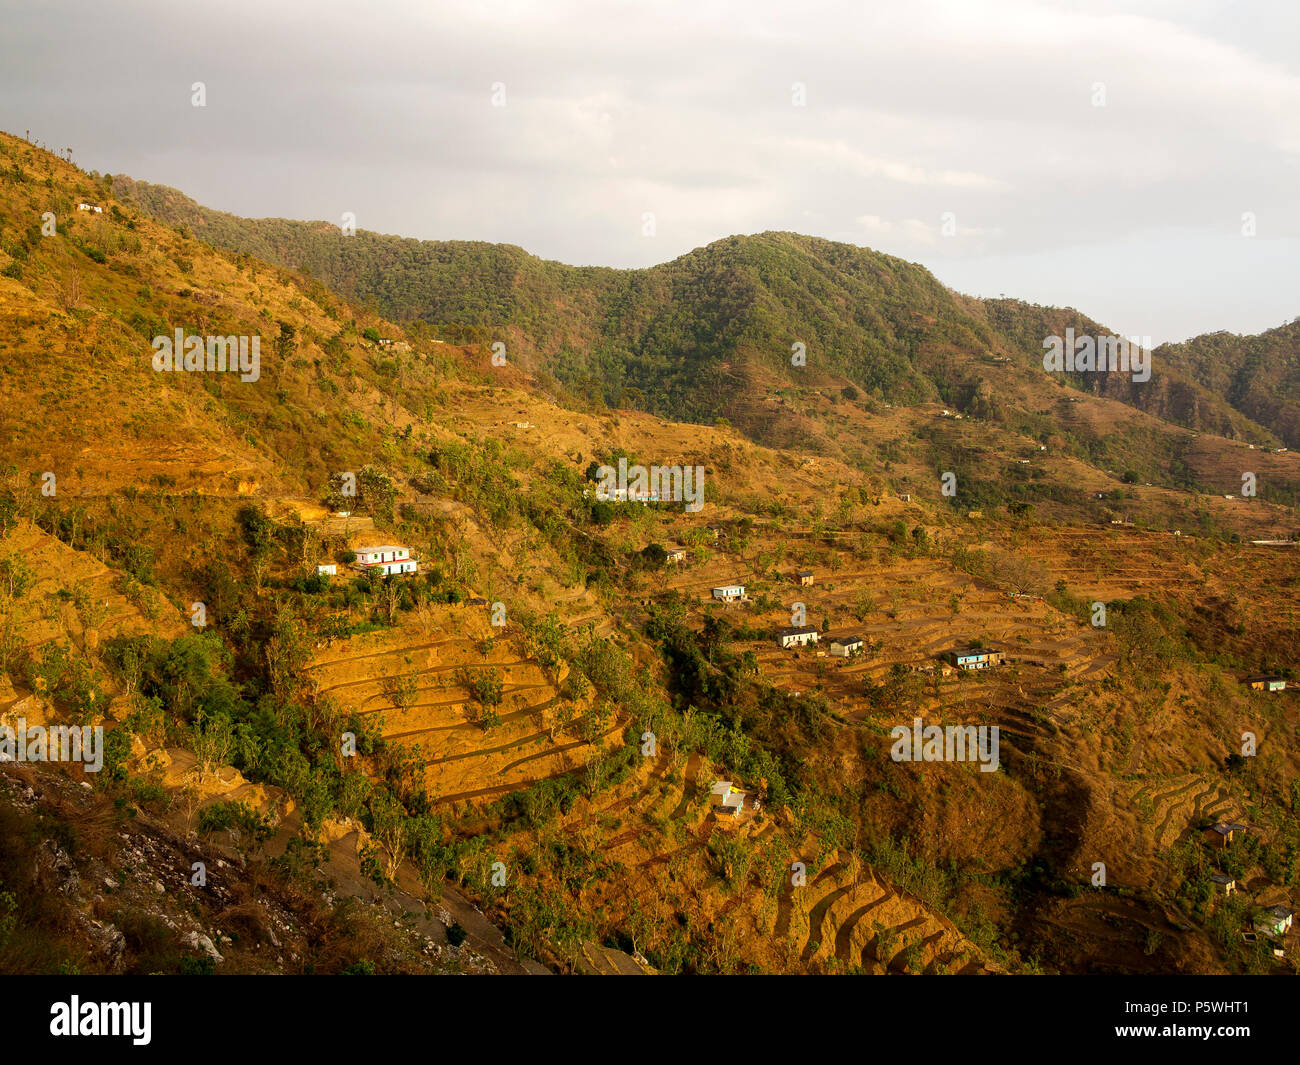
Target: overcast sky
x=983 y=113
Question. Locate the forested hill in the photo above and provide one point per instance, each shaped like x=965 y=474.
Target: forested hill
x=1259 y=375
x=669 y=334
x=710 y=332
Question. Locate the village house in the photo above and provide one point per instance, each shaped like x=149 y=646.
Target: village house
x=846 y=646
x=1223 y=885
x=728 y=799
x=328 y=570
x=1266 y=683
x=975 y=659
x=388 y=559
x=804 y=577
x=1274 y=922
x=90 y=207
x=942 y=668
x=798 y=636
x=728 y=593
x=1223 y=833
x=675 y=554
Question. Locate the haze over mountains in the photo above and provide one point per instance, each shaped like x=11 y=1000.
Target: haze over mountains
x=694 y=338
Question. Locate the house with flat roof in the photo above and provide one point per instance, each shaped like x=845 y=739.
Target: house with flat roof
x=387 y=559
x=726 y=799
x=973 y=658
x=1223 y=833
x=1223 y=884
x=797 y=636
x=846 y=646
x=728 y=593
x=1266 y=683
x=1274 y=922
x=327 y=570
x=675 y=554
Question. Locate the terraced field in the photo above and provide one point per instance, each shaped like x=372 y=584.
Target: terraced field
x=73 y=598
x=414 y=683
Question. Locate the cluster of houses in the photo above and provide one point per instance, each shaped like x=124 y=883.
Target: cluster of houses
x=1273 y=922
x=803 y=635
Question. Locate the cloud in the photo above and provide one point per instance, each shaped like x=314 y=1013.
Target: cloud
x=863 y=123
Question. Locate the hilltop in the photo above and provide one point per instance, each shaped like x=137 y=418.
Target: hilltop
x=696 y=338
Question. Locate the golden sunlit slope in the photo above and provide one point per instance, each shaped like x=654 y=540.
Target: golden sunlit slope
x=509 y=760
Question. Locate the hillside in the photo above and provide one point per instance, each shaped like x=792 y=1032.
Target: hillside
x=1259 y=375
x=691 y=338
x=517 y=746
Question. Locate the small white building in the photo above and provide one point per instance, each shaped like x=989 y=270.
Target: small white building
x=729 y=593
x=329 y=570
x=846 y=646
x=388 y=559
x=727 y=800
x=675 y=554
x=90 y=207
x=798 y=636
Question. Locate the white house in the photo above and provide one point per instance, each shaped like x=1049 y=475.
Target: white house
x=329 y=570
x=676 y=554
x=846 y=646
x=90 y=207
x=798 y=636
x=729 y=593
x=388 y=559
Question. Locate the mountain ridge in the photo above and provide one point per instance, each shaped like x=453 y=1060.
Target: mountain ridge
x=677 y=338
